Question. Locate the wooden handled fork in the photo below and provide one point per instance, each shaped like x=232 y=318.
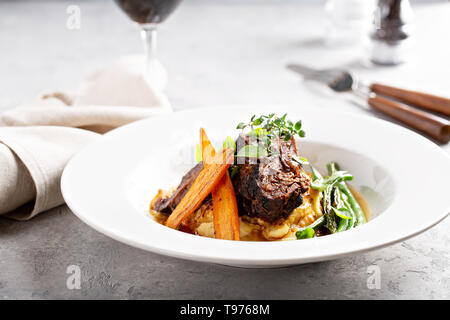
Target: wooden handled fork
x=406 y=106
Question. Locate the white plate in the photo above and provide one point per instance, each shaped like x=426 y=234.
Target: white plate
x=404 y=177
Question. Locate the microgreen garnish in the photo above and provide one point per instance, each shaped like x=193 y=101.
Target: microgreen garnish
x=273 y=126
x=267 y=128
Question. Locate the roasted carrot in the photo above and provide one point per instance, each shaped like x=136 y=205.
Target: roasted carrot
x=207 y=148
x=203 y=185
x=225 y=211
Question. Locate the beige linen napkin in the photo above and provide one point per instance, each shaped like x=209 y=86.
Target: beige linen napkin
x=37 y=140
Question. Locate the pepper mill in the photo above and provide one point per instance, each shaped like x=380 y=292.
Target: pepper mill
x=391 y=35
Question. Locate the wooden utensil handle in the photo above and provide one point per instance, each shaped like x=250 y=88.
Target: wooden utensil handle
x=429 y=124
x=420 y=99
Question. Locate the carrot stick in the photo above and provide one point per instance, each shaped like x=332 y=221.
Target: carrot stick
x=225 y=211
x=203 y=185
x=208 y=150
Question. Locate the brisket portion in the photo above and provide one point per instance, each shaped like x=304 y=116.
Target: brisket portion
x=270 y=187
x=169 y=204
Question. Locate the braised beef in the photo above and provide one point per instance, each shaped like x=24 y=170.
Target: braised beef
x=270 y=187
x=169 y=204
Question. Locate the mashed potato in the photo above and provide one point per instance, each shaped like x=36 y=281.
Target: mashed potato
x=253 y=229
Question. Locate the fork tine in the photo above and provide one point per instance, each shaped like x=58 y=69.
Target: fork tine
x=326 y=75
x=323 y=76
x=314 y=74
x=304 y=70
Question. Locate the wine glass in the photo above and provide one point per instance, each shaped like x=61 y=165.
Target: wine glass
x=148 y=14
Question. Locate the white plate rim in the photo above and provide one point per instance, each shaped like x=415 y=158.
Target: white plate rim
x=249 y=260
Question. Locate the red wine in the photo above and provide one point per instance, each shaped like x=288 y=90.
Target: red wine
x=148 y=11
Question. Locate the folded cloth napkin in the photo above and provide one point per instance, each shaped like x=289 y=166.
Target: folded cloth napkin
x=38 y=139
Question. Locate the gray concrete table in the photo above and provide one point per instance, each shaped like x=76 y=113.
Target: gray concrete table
x=216 y=53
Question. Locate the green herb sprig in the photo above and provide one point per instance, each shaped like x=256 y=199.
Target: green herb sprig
x=273 y=126
x=267 y=128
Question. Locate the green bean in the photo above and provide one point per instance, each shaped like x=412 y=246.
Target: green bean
x=332 y=167
x=316 y=224
x=359 y=214
x=317 y=179
x=328 y=210
x=336 y=177
x=354 y=205
x=337 y=195
x=351 y=221
x=316 y=174
x=305 y=234
x=343 y=223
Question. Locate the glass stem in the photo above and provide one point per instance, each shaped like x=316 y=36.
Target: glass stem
x=148 y=35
